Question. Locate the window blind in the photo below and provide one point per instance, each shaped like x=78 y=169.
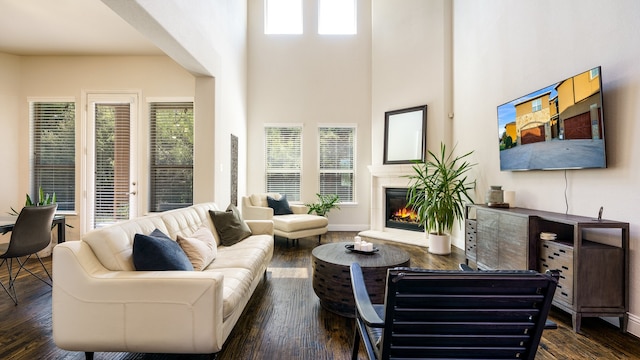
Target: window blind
x=112 y=163
x=171 y=165
x=337 y=161
x=283 y=154
x=53 y=151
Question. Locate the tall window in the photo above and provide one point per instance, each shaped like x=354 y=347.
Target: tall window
x=53 y=151
x=337 y=161
x=283 y=16
x=337 y=17
x=283 y=151
x=171 y=163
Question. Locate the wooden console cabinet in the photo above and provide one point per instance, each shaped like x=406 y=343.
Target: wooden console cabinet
x=594 y=277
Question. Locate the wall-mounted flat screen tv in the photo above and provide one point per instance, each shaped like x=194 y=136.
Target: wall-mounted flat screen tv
x=557 y=127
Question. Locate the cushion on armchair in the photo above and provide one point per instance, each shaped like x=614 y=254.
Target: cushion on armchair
x=261 y=199
x=279 y=206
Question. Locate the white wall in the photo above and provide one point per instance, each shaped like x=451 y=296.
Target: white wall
x=9 y=103
x=311 y=80
x=506 y=49
x=411 y=66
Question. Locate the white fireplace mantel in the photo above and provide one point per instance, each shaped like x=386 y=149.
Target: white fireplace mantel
x=390 y=170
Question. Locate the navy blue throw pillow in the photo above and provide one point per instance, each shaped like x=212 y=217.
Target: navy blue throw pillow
x=158 y=251
x=280 y=207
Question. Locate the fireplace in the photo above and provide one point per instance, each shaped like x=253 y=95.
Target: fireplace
x=397 y=215
x=385 y=177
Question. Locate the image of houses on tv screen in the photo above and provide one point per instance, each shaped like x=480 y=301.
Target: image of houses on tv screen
x=557 y=127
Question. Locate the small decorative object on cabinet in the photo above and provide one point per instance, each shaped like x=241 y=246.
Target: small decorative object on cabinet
x=594 y=277
x=495 y=197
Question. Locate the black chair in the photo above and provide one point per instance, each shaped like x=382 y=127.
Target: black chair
x=440 y=314
x=31 y=233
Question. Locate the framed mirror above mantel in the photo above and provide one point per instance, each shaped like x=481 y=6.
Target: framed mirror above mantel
x=405 y=135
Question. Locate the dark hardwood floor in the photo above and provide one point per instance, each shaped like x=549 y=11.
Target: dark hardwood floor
x=284 y=320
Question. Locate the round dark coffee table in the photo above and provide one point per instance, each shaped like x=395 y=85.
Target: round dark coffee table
x=332 y=281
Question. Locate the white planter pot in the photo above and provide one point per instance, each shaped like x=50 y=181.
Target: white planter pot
x=440 y=244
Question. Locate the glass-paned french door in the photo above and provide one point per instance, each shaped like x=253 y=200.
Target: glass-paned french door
x=111 y=187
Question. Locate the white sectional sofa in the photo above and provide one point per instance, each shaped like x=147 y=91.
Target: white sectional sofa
x=102 y=304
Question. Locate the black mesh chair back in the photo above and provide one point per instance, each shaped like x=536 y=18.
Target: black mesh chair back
x=430 y=314
x=31 y=234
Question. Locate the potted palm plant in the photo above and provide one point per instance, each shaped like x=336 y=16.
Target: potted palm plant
x=438 y=190
x=43 y=199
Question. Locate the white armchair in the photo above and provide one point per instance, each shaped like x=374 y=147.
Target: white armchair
x=291 y=226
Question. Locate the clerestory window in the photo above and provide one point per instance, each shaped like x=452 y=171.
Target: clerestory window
x=283 y=17
x=286 y=17
x=337 y=17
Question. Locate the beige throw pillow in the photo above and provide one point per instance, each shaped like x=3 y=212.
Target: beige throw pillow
x=200 y=247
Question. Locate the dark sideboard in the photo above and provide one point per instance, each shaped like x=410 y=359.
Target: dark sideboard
x=594 y=276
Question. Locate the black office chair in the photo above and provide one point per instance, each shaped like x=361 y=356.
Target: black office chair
x=31 y=233
x=439 y=314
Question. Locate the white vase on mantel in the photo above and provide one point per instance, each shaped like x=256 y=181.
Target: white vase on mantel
x=440 y=244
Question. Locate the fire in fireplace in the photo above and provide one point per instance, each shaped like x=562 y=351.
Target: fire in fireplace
x=398 y=215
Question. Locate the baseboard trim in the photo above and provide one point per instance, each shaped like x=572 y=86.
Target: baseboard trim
x=633 y=326
x=348 y=227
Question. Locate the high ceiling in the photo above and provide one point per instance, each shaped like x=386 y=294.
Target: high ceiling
x=67 y=27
